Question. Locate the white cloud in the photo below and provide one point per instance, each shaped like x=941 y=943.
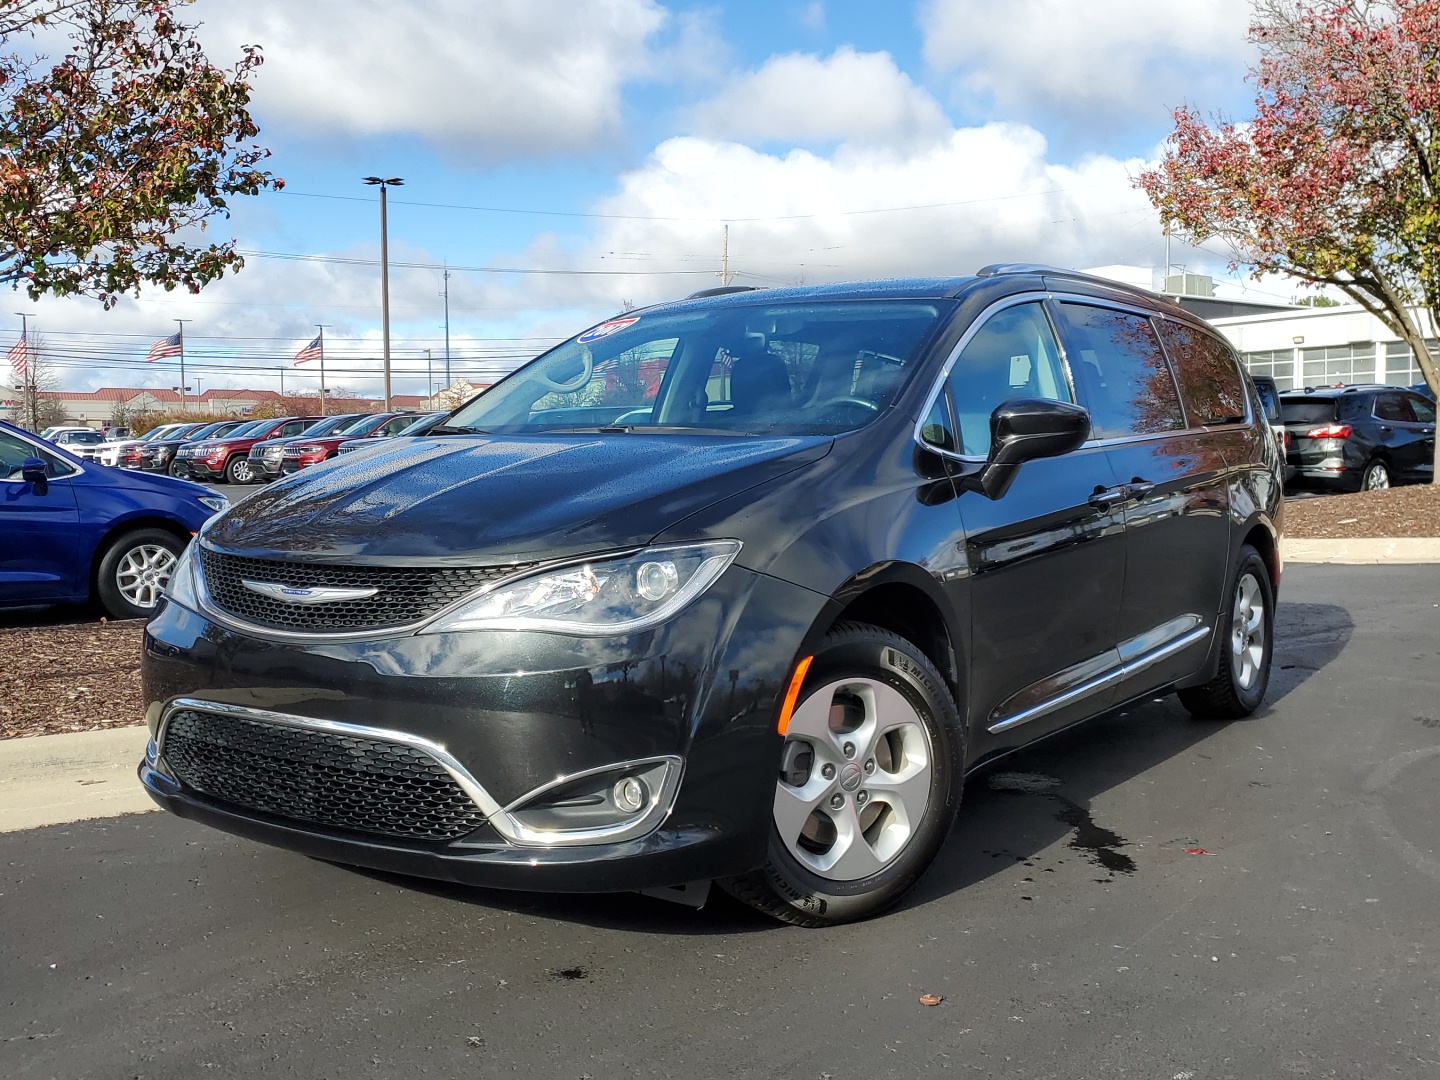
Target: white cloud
x=506 y=78
x=1090 y=62
x=848 y=97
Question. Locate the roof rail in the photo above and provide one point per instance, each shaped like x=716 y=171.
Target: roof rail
x=721 y=290
x=996 y=269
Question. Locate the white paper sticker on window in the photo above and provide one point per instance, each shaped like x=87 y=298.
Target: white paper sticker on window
x=1020 y=370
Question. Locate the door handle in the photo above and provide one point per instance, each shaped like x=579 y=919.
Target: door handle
x=1138 y=489
x=1108 y=498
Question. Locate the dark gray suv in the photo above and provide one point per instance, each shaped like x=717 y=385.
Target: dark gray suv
x=734 y=589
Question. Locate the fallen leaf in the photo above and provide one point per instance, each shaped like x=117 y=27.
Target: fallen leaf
x=930 y=999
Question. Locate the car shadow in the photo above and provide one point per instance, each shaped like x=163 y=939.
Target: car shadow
x=1013 y=809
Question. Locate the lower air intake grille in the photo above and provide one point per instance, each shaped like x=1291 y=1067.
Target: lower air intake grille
x=405 y=594
x=342 y=781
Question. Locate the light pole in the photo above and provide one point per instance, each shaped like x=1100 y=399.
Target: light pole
x=383 y=183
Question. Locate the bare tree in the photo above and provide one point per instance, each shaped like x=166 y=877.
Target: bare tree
x=33 y=390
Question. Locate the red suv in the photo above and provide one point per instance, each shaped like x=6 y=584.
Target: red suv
x=229 y=459
x=303 y=452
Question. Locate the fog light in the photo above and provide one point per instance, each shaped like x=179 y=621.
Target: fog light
x=656 y=580
x=630 y=794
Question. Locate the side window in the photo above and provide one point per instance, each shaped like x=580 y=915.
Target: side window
x=1392 y=407
x=1423 y=408
x=1013 y=355
x=1120 y=372
x=14 y=451
x=295 y=427
x=1208 y=375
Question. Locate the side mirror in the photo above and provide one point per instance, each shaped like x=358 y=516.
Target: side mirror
x=1025 y=429
x=32 y=471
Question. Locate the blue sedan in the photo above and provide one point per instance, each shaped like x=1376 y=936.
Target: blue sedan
x=72 y=531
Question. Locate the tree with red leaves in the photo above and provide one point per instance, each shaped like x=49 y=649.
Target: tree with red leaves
x=114 y=157
x=1336 y=179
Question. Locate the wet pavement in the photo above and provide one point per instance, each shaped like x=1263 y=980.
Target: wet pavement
x=1148 y=897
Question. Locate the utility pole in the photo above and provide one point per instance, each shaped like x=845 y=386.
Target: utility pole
x=383 y=183
x=446 y=294
x=429 y=378
x=322 y=367
x=725 y=256
x=181 y=335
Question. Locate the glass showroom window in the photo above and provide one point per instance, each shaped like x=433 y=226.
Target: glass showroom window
x=1338 y=364
x=1279 y=365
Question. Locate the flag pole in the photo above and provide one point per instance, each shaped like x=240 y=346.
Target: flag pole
x=322 y=367
x=181 y=335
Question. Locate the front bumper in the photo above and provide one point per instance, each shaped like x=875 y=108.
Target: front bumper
x=516 y=711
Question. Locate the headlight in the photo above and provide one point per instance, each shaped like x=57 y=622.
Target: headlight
x=214 y=502
x=180 y=589
x=601 y=597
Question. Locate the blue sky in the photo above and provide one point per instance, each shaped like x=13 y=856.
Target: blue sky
x=601 y=145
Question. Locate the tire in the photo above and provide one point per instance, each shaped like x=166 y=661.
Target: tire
x=134 y=570
x=179 y=471
x=813 y=875
x=1376 y=476
x=239 y=470
x=1245 y=653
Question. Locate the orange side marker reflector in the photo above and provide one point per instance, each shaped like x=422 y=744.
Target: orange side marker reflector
x=793 y=693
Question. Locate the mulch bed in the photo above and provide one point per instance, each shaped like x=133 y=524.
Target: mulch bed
x=84 y=676
x=1413 y=510
x=76 y=677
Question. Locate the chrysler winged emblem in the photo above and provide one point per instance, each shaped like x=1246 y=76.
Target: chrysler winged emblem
x=291 y=594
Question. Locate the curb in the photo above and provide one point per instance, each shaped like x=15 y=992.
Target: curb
x=54 y=779
x=1368 y=551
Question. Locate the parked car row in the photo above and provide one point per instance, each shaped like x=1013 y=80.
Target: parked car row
x=1361 y=437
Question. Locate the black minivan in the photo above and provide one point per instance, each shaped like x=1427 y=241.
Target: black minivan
x=733 y=589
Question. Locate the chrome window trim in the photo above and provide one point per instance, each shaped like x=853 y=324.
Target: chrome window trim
x=495 y=815
x=1041 y=297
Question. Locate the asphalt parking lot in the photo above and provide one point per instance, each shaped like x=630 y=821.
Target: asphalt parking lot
x=1148 y=897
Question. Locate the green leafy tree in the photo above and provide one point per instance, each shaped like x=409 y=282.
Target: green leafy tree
x=1336 y=178
x=115 y=156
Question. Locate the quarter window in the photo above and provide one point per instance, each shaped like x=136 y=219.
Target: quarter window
x=1014 y=355
x=1208 y=376
x=1120 y=372
x=14 y=451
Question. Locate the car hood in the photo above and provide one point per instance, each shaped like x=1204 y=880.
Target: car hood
x=461 y=498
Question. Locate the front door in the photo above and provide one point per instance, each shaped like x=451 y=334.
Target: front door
x=1046 y=564
x=39 y=534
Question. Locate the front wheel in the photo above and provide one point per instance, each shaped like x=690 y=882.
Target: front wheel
x=868 y=785
x=1239 y=686
x=134 y=571
x=180 y=470
x=239 y=471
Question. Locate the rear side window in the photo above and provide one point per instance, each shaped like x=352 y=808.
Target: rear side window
x=1269 y=399
x=1120 y=372
x=1013 y=355
x=1208 y=374
x=1394 y=407
x=1307 y=410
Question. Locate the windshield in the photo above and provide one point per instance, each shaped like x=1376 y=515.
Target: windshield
x=423 y=424
x=777 y=369
x=360 y=425
x=1308 y=410
x=1269 y=399
x=82 y=438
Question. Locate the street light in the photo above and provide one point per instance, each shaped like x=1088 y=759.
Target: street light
x=383 y=183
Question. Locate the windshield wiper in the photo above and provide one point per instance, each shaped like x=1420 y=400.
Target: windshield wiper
x=447 y=429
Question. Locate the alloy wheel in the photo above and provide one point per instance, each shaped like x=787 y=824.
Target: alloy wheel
x=143 y=572
x=1377 y=477
x=864 y=785
x=1247 y=631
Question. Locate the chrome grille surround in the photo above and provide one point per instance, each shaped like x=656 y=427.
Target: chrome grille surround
x=335 y=775
x=407 y=595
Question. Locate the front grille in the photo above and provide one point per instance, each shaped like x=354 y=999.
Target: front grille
x=359 y=784
x=407 y=594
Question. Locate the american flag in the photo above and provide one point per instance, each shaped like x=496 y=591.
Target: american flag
x=18 y=356
x=309 y=352
x=166 y=346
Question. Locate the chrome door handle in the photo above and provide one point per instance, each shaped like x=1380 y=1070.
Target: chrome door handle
x=1138 y=489
x=1108 y=498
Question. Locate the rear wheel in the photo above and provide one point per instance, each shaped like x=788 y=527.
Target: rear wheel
x=134 y=571
x=1376 y=476
x=1239 y=686
x=869 y=783
x=240 y=471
